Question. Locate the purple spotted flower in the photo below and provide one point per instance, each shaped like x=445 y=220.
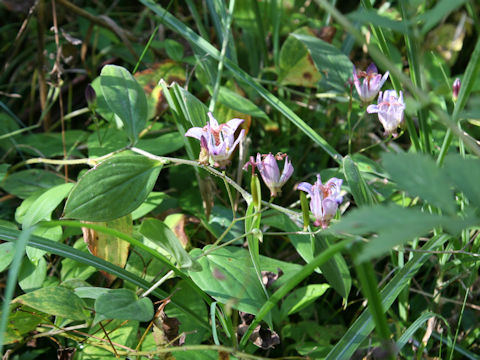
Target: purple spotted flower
x=372 y=83
x=324 y=199
x=217 y=141
x=390 y=109
x=270 y=172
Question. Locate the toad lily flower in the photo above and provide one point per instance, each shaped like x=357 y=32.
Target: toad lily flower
x=372 y=83
x=324 y=199
x=217 y=141
x=270 y=172
x=390 y=108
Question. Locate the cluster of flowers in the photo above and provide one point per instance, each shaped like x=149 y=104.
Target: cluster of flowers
x=390 y=105
x=218 y=142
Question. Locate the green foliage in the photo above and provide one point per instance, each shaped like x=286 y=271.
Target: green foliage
x=176 y=257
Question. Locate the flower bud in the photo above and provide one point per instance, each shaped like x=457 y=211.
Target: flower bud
x=256 y=192
x=305 y=210
x=456 y=89
x=91 y=96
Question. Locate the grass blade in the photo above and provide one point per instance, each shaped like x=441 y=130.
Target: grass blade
x=19 y=249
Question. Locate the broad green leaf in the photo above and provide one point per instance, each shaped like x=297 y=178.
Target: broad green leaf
x=51 y=144
x=386 y=222
x=105 y=141
x=3 y=171
x=123 y=304
x=291 y=283
x=183 y=295
x=26 y=204
x=163 y=144
x=43 y=206
x=328 y=60
x=465 y=174
x=156 y=231
x=48 y=232
x=101 y=106
x=153 y=200
x=420 y=176
x=6 y=249
x=24 y=183
x=72 y=269
x=239 y=103
x=229 y=277
x=107 y=246
x=20 y=322
x=90 y=292
x=32 y=276
x=335 y=269
x=295 y=63
x=113 y=189
x=302 y=297
x=174 y=49
x=358 y=187
x=364 y=325
x=126 y=99
x=57 y=301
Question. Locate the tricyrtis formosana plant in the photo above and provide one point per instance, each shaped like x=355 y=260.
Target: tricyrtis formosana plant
x=282 y=197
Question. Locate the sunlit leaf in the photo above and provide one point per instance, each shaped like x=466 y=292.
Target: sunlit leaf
x=113 y=189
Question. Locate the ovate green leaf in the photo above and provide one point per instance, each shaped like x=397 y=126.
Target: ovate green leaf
x=43 y=206
x=123 y=304
x=58 y=301
x=229 y=277
x=126 y=99
x=112 y=189
x=329 y=60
